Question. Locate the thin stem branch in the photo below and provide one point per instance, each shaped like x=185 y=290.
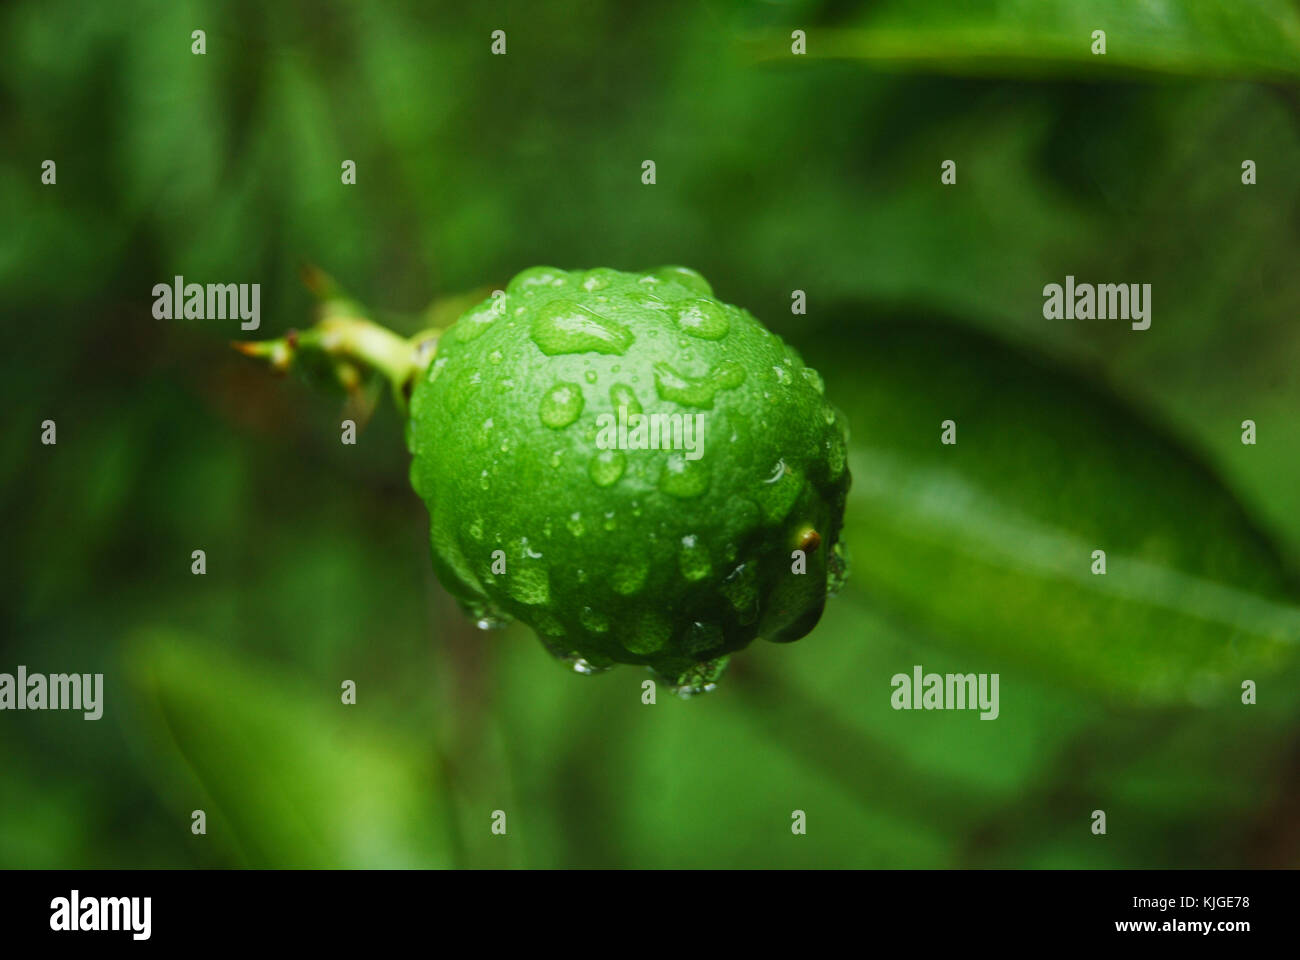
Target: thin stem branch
x=349 y=339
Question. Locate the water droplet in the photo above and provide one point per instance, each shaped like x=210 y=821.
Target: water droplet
x=585 y=667
x=548 y=627
x=488 y=617
x=561 y=405
x=608 y=525
x=693 y=559
x=476 y=529
x=835 y=456
x=597 y=279
x=704 y=319
x=697 y=391
x=686 y=277
x=594 y=621
x=495 y=356
x=683 y=478
x=703 y=637
x=606 y=467
x=628 y=578
x=483 y=480
x=698 y=678
x=474 y=323
x=575 y=524
x=741 y=588
x=777 y=494
x=837 y=568
x=650 y=634
x=562 y=327
x=590 y=375
x=814 y=378
x=621 y=395
x=529 y=585
x=530 y=280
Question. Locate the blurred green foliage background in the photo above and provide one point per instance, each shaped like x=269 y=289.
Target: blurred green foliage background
x=775 y=173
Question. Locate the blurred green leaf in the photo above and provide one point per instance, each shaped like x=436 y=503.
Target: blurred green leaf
x=989 y=541
x=298 y=778
x=1221 y=38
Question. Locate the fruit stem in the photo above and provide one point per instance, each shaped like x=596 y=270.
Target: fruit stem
x=348 y=338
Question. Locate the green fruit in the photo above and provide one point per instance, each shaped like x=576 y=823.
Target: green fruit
x=542 y=511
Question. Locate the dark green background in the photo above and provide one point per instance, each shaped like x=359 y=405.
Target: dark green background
x=775 y=173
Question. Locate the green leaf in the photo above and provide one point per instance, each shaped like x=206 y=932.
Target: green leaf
x=296 y=778
x=989 y=542
x=1256 y=39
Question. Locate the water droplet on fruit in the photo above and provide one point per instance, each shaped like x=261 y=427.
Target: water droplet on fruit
x=698 y=678
x=703 y=637
x=683 y=478
x=528 y=281
x=686 y=277
x=594 y=621
x=629 y=577
x=529 y=585
x=597 y=279
x=487 y=617
x=837 y=568
x=814 y=378
x=741 y=588
x=561 y=405
x=693 y=559
x=835 y=456
x=651 y=632
x=778 y=493
x=705 y=319
x=697 y=391
x=474 y=323
x=607 y=467
x=562 y=327
x=623 y=396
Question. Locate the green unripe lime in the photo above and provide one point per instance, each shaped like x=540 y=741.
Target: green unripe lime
x=628 y=466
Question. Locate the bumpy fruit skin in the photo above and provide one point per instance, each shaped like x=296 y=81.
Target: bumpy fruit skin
x=641 y=556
